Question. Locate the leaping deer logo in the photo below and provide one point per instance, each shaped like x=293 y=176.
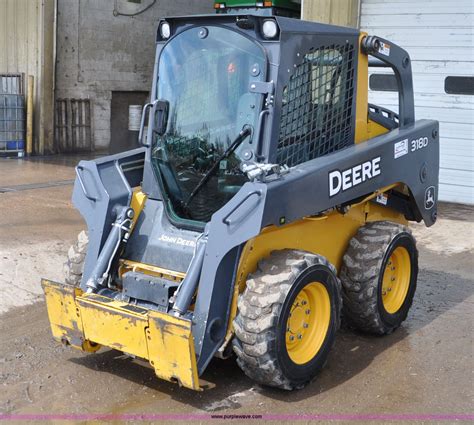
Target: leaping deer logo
x=429 y=197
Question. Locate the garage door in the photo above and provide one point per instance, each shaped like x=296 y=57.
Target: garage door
x=439 y=37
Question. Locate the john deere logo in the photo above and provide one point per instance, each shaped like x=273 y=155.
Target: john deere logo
x=429 y=197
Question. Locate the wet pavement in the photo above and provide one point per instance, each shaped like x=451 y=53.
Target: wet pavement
x=421 y=373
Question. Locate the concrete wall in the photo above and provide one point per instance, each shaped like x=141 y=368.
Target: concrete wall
x=27 y=46
x=336 y=12
x=98 y=53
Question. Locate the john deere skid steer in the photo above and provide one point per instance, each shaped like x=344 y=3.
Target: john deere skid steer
x=269 y=198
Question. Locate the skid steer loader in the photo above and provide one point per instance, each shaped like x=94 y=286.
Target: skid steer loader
x=269 y=198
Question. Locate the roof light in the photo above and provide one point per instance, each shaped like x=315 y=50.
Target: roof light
x=165 y=30
x=269 y=28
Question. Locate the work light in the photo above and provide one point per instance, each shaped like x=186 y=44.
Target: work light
x=165 y=30
x=270 y=28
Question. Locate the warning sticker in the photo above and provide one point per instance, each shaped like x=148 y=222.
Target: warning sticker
x=382 y=199
x=400 y=148
x=384 y=49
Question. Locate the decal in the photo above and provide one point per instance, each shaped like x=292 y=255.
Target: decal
x=340 y=181
x=177 y=240
x=418 y=144
x=382 y=198
x=400 y=148
x=384 y=49
x=429 y=197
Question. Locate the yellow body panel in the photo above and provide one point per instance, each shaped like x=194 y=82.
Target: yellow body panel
x=87 y=321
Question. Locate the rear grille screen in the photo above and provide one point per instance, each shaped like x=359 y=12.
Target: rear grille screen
x=317 y=111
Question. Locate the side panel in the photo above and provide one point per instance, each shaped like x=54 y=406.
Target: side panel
x=306 y=190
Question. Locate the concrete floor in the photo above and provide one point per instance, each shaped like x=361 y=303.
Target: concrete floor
x=421 y=373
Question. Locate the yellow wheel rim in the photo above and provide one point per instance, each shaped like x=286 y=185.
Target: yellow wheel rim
x=396 y=280
x=308 y=323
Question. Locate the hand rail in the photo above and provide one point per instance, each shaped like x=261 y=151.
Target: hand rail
x=142 y=124
x=81 y=182
x=226 y=220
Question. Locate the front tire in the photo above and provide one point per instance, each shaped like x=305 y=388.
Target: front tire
x=378 y=275
x=288 y=317
x=76 y=257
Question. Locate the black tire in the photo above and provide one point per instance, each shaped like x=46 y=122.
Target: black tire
x=74 y=266
x=261 y=323
x=362 y=275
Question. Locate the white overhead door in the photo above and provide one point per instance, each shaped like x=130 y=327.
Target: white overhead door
x=439 y=37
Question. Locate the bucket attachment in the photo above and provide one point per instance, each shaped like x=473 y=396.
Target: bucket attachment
x=89 y=321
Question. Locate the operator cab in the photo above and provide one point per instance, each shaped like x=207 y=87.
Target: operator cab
x=205 y=74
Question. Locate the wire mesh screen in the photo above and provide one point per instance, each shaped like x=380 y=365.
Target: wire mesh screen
x=317 y=106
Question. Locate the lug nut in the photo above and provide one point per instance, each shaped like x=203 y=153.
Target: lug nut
x=300 y=336
x=303 y=303
x=292 y=338
x=308 y=311
x=305 y=325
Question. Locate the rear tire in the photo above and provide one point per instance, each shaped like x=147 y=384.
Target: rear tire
x=274 y=347
x=76 y=256
x=378 y=275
